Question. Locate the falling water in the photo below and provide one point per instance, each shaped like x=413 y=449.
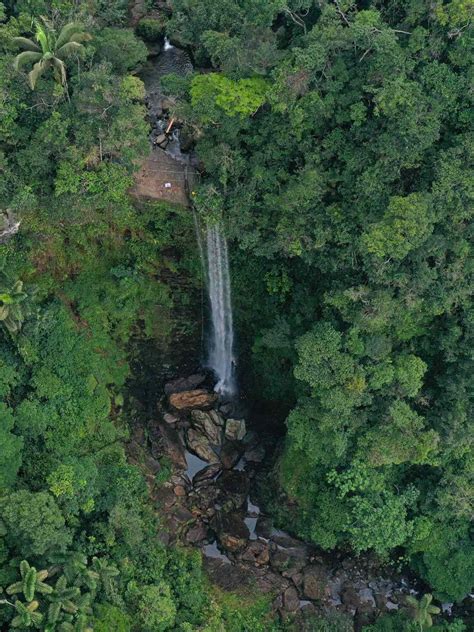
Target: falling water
x=167 y=44
x=221 y=343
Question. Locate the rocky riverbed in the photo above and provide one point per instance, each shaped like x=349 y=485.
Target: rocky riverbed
x=209 y=501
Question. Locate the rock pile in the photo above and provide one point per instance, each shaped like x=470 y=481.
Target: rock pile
x=207 y=503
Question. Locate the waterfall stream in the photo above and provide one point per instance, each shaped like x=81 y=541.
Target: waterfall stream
x=221 y=340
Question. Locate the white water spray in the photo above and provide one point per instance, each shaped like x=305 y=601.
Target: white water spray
x=221 y=358
x=167 y=45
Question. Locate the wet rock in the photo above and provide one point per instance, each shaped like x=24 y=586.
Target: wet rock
x=264 y=527
x=179 y=491
x=208 y=473
x=255 y=454
x=187 y=400
x=204 y=422
x=217 y=418
x=270 y=582
x=197 y=533
x=257 y=552
x=285 y=540
x=367 y=596
x=184 y=383
x=315 y=581
x=182 y=515
x=226 y=409
x=198 y=444
x=291 y=601
x=173 y=445
x=289 y=561
x=169 y=418
x=161 y=139
x=350 y=596
x=234 y=488
x=227 y=576
x=235 y=429
x=230 y=454
x=204 y=498
x=232 y=532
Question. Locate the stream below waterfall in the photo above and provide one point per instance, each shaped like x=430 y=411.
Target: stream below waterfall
x=211 y=500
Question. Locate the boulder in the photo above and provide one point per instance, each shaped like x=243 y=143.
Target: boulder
x=289 y=561
x=234 y=487
x=184 y=383
x=169 y=418
x=217 y=418
x=256 y=552
x=315 y=582
x=235 y=429
x=230 y=454
x=232 y=532
x=255 y=454
x=204 y=422
x=350 y=596
x=200 y=445
x=173 y=445
x=197 y=533
x=187 y=400
x=207 y=473
x=291 y=600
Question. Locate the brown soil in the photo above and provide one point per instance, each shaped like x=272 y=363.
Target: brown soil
x=163 y=178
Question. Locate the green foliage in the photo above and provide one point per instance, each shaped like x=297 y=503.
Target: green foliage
x=235 y=98
x=422 y=610
x=150 y=29
x=110 y=617
x=156 y=610
x=121 y=48
x=11 y=447
x=11 y=312
x=32 y=523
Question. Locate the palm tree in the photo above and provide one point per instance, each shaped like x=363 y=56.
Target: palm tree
x=49 y=51
x=27 y=616
x=105 y=573
x=63 y=599
x=31 y=582
x=11 y=312
x=422 y=610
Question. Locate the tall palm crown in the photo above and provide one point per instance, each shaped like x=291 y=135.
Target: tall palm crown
x=49 y=51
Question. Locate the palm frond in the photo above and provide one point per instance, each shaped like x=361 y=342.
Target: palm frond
x=27 y=44
x=60 y=68
x=68 y=49
x=26 y=57
x=36 y=73
x=66 y=33
x=42 y=38
x=81 y=37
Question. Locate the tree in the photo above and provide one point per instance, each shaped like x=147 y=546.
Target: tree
x=30 y=583
x=27 y=615
x=33 y=523
x=422 y=610
x=62 y=598
x=50 y=52
x=11 y=312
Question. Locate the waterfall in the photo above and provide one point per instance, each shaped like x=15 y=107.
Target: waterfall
x=167 y=44
x=221 y=341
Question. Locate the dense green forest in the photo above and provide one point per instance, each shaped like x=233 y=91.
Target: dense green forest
x=335 y=142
